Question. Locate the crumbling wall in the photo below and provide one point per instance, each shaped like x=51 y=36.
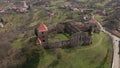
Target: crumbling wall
x=77 y=39
x=59 y=44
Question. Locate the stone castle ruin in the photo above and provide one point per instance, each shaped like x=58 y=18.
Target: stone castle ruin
x=80 y=34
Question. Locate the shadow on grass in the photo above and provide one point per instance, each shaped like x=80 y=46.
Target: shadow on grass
x=31 y=65
x=53 y=64
x=32 y=55
x=67 y=35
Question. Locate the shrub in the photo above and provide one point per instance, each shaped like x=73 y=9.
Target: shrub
x=32 y=54
x=58 y=53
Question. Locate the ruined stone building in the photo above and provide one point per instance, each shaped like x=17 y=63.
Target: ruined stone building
x=74 y=27
x=80 y=34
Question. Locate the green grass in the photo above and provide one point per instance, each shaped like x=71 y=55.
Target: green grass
x=58 y=37
x=103 y=3
x=14 y=21
x=18 y=43
x=97 y=55
x=61 y=36
x=99 y=18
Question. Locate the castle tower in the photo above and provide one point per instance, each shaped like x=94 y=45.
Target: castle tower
x=42 y=32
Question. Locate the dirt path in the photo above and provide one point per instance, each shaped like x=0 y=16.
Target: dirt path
x=116 y=58
x=116 y=51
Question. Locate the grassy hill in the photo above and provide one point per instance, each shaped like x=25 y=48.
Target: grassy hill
x=97 y=55
x=19 y=30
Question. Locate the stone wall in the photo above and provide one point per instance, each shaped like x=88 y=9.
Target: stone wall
x=77 y=39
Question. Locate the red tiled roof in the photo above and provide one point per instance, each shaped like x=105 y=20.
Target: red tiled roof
x=79 y=23
x=42 y=27
x=14 y=7
x=115 y=32
x=1 y=8
x=38 y=41
x=22 y=9
x=52 y=14
x=92 y=21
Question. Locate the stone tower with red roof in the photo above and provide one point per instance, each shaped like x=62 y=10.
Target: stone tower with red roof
x=42 y=32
